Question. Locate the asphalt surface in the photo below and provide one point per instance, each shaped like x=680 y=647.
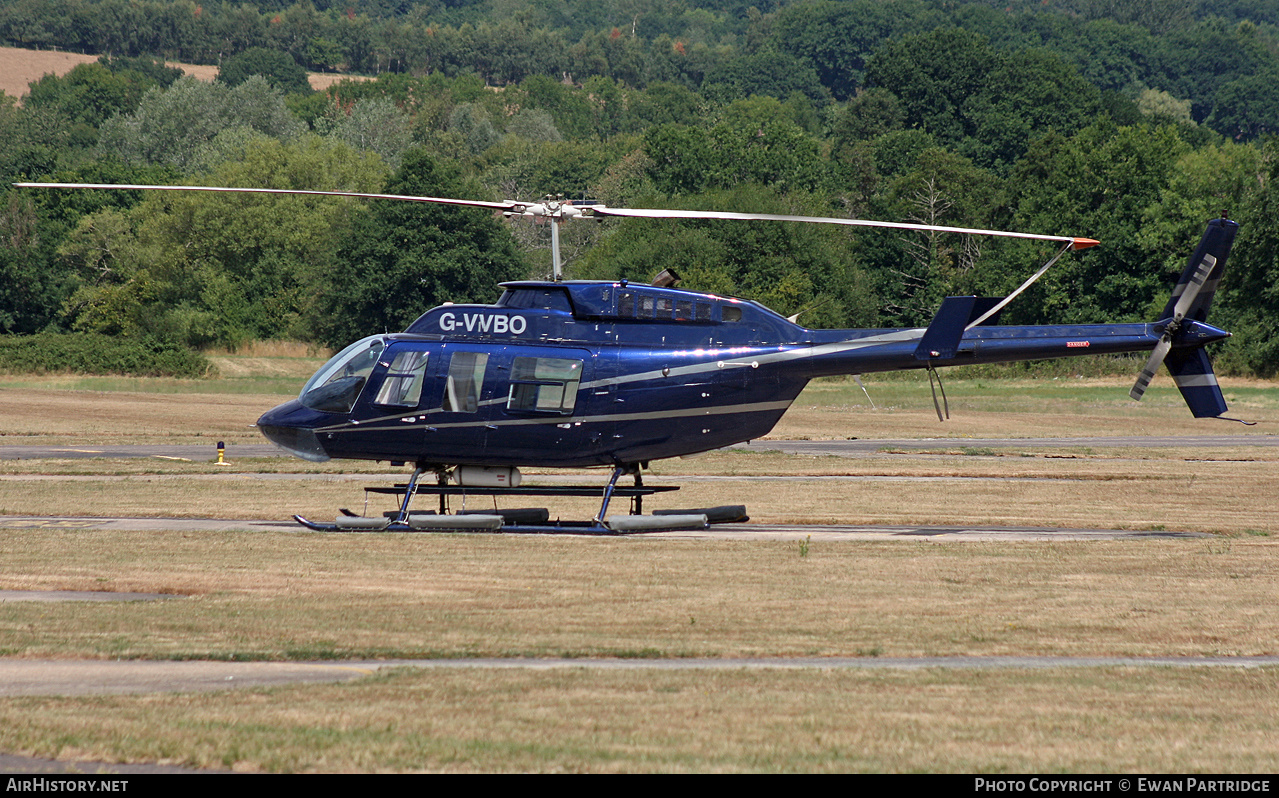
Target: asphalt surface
x=841 y=448
x=818 y=532
x=22 y=677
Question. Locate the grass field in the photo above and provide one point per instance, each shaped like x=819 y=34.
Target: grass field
x=19 y=67
x=271 y=595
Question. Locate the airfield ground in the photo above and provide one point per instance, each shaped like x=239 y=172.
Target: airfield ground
x=295 y=596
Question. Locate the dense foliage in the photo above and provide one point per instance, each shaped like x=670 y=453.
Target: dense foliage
x=91 y=353
x=1130 y=123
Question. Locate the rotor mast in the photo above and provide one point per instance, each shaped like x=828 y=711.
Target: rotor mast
x=555 y=208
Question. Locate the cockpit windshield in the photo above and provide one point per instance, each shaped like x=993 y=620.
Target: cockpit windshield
x=337 y=385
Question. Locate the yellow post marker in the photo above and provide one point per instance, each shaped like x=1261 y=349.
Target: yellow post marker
x=221 y=453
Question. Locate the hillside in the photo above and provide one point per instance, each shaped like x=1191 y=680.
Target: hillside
x=19 y=67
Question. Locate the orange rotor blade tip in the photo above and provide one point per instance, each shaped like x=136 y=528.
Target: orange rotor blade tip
x=1084 y=243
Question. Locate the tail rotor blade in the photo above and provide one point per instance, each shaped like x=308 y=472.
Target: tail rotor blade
x=1152 y=365
x=1179 y=311
x=1192 y=288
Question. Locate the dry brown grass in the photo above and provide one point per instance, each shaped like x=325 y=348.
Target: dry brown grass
x=256 y=594
x=35 y=414
x=1089 y=721
x=271 y=349
x=1214 y=490
x=19 y=67
x=304 y=595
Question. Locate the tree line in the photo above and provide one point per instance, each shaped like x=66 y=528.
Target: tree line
x=890 y=110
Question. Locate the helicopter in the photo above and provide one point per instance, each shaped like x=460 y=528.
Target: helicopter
x=570 y=373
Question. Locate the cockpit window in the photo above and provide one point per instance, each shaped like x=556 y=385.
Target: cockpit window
x=337 y=385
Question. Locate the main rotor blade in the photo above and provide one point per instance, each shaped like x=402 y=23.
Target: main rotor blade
x=505 y=205
x=646 y=213
x=569 y=210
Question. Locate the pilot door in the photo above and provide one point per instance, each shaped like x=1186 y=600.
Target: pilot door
x=388 y=421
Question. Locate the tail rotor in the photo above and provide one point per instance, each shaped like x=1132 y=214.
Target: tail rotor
x=1183 y=304
x=1185 y=326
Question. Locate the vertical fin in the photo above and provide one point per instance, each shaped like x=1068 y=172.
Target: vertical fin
x=1192 y=371
x=941 y=340
x=1215 y=245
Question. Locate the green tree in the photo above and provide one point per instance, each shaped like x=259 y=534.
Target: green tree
x=403 y=258
x=1097 y=183
x=375 y=124
x=171 y=125
x=279 y=70
x=1248 y=107
x=222 y=268
x=756 y=141
x=983 y=102
x=942 y=189
x=30 y=291
x=834 y=38
x=680 y=158
x=88 y=95
x=1249 y=292
x=934 y=75
x=791 y=267
x=768 y=73
x=472 y=123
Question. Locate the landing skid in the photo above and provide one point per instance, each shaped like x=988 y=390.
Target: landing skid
x=528 y=521
x=675 y=523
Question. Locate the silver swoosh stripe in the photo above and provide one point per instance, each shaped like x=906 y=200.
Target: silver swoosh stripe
x=686 y=412
x=682 y=371
x=770 y=357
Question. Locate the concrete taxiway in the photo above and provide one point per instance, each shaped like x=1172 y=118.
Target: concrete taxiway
x=21 y=677
x=821 y=532
x=841 y=448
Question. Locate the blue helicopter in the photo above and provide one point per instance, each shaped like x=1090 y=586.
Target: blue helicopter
x=565 y=373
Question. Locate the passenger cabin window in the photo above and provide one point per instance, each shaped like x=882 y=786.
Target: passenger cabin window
x=638 y=305
x=402 y=386
x=732 y=314
x=466 y=377
x=544 y=384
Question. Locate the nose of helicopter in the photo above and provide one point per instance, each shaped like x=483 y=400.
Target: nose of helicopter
x=291 y=427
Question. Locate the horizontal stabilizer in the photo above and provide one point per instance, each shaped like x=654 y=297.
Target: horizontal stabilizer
x=1192 y=371
x=983 y=304
x=941 y=339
